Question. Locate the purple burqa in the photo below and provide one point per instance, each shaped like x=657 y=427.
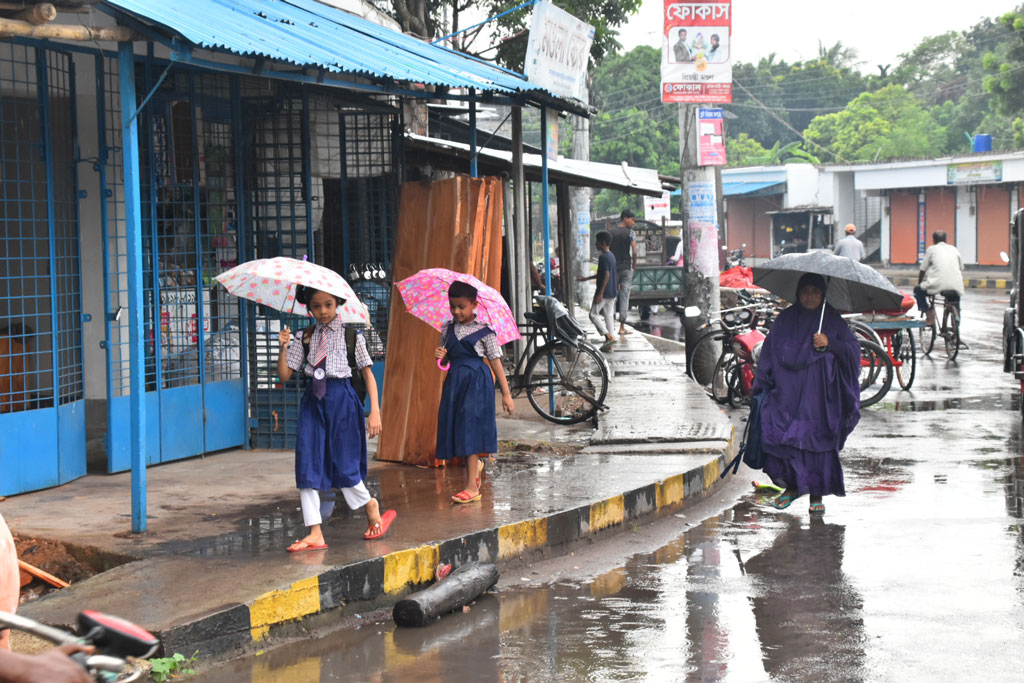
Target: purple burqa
x=812 y=402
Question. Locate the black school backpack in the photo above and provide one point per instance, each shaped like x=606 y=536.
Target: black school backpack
x=358 y=383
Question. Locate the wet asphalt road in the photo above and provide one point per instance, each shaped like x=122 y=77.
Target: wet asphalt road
x=916 y=575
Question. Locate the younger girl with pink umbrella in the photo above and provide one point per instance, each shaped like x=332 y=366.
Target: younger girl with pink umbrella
x=479 y=322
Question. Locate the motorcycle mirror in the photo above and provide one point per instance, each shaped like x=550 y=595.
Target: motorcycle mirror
x=691 y=312
x=1004 y=256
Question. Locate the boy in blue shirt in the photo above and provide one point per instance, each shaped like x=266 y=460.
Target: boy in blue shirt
x=604 y=298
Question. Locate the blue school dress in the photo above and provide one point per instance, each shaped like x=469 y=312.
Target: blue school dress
x=330 y=449
x=466 y=422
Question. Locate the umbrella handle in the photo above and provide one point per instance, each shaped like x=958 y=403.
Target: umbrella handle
x=821 y=320
x=443 y=365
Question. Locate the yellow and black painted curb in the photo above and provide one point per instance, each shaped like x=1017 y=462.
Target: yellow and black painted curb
x=383 y=579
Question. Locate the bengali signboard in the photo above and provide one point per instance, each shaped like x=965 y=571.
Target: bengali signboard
x=710 y=137
x=558 y=51
x=696 y=64
x=979 y=172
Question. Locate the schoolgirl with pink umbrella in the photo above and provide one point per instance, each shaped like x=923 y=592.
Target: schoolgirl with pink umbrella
x=474 y=322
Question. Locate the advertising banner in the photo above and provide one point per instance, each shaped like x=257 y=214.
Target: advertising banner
x=703 y=224
x=710 y=137
x=558 y=51
x=696 y=64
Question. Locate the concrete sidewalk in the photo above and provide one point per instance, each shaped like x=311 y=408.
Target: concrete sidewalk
x=212 y=573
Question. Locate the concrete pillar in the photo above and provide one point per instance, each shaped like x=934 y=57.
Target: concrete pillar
x=967 y=223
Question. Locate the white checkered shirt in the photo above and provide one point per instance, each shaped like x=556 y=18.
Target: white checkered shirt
x=485 y=348
x=337 y=354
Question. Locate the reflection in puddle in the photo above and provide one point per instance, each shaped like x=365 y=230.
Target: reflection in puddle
x=988 y=402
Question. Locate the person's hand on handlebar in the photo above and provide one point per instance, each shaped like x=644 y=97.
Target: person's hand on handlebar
x=52 y=666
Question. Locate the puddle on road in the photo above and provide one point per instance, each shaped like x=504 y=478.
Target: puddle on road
x=1009 y=401
x=750 y=594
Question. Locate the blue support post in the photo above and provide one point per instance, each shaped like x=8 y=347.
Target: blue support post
x=545 y=212
x=101 y=168
x=241 y=245
x=43 y=88
x=472 y=133
x=307 y=175
x=133 y=231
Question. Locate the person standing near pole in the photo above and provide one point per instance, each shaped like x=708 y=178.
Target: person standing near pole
x=623 y=247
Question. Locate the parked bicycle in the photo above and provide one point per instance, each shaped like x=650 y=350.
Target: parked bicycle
x=950 y=328
x=565 y=377
x=115 y=640
x=726 y=355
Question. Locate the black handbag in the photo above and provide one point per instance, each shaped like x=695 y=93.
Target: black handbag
x=751 y=451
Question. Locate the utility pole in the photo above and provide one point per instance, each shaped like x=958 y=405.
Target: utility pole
x=580 y=200
x=699 y=233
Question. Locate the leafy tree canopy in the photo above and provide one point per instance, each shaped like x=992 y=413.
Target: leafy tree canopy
x=890 y=123
x=504 y=40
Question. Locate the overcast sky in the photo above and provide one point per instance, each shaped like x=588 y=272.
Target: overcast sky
x=879 y=29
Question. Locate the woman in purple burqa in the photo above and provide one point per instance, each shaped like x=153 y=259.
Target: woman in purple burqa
x=812 y=402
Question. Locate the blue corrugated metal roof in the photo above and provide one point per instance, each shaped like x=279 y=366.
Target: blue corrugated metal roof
x=737 y=187
x=749 y=187
x=308 y=33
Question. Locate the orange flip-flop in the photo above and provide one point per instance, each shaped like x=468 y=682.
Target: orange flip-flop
x=385 y=522
x=302 y=546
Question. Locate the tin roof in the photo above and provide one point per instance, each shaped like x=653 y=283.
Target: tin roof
x=629 y=179
x=308 y=33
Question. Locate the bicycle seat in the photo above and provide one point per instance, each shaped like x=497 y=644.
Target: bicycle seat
x=949 y=295
x=536 y=317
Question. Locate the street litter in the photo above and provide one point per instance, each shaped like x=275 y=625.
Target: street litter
x=461 y=588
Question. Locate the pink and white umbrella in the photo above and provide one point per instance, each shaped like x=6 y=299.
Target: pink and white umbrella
x=426 y=296
x=272 y=282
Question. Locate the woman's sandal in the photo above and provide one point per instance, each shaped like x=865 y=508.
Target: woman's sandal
x=302 y=546
x=783 y=501
x=817 y=509
x=380 y=528
x=463 y=497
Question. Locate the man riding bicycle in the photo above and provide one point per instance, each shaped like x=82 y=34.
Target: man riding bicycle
x=941 y=271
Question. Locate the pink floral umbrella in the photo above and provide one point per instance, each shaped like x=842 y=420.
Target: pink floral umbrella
x=272 y=282
x=426 y=296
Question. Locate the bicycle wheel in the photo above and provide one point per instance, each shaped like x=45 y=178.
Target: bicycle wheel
x=700 y=362
x=738 y=397
x=876 y=373
x=720 y=386
x=928 y=334
x=565 y=384
x=905 y=357
x=864 y=331
x=951 y=330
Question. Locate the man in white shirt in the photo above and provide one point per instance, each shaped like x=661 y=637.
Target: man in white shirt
x=850 y=246
x=941 y=271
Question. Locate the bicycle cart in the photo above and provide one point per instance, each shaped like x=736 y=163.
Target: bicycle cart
x=898 y=342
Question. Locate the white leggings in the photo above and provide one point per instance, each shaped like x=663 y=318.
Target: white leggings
x=313 y=512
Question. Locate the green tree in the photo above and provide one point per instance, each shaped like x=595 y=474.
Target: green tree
x=740 y=150
x=878 y=126
x=1004 y=66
